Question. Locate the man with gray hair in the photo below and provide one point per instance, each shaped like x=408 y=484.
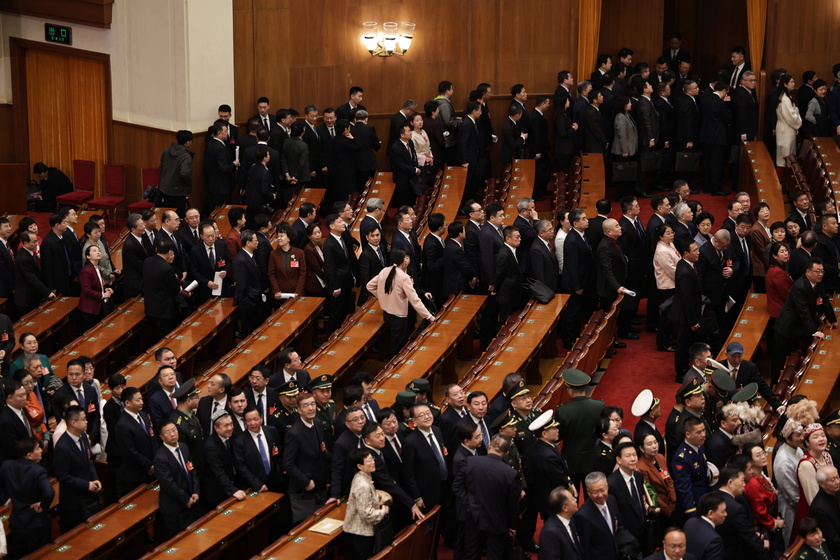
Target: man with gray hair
x=612 y=277
x=248 y=297
x=715 y=267
x=598 y=521
x=825 y=508
x=745 y=108
x=375 y=208
x=135 y=250
x=400 y=119
x=524 y=222
x=785 y=463
x=542 y=261
x=364 y=160
x=578 y=111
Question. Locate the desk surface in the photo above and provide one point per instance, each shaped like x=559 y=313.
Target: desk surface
x=43 y=320
x=830 y=154
x=449 y=197
x=521 y=186
x=750 y=325
x=302 y=543
x=315 y=196
x=593 y=185
x=762 y=181
x=340 y=353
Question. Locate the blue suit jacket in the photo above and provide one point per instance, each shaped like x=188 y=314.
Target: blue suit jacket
x=74 y=470
x=702 y=540
x=597 y=539
x=26 y=483
x=176 y=484
x=579 y=264
x=91 y=407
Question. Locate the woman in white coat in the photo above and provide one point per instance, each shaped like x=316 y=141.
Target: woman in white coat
x=788 y=123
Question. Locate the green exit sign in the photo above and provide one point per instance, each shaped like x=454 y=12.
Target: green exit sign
x=58 y=34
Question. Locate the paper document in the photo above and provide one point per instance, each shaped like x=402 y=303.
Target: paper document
x=730 y=302
x=218 y=280
x=193 y=285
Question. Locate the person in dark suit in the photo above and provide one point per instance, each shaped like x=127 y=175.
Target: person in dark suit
x=346 y=149
x=740 y=65
x=470 y=152
x=219 y=168
x=217 y=398
x=687 y=117
x=206 y=259
x=800 y=213
x=56 y=262
x=594 y=137
x=348 y=110
x=405 y=239
x=597 y=539
x=512 y=138
x=715 y=118
x=559 y=537
x=627 y=485
x=290 y=370
x=26 y=484
x=578 y=277
x=248 y=158
x=603 y=65
x=259 y=184
x=85 y=395
x=507 y=285
x=702 y=539
x=737 y=530
x=799 y=319
x=828 y=251
x=7 y=260
x=136 y=250
x=14 y=426
x=825 y=509
x=365 y=161
x=595 y=231
x=342 y=270
x=673 y=547
x=248 y=297
x=264 y=115
x=545 y=468
x=433 y=263
x=259 y=394
x=220 y=482
x=137 y=443
x=306 y=462
x=674 y=53
x=161 y=290
x=257 y=454
x=488 y=488
x=341 y=474
x=403 y=166
x=375 y=212
x=458 y=272
x=280 y=132
x=162 y=403
x=179 y=482
x=31 y=288
x=542 y=260
x=326 y=134
x=424 y=466
x=745 y=105
x=612 y=265
x=720 y=448
x=538 y=145
x=188 y=233
x=688 y=302
x=400 y=119
x=79 y=485
x=372 y=260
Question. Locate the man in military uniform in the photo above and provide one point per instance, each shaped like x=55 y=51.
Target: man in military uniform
x=325 y=412
x=646 y=409
x=404 y=401
x=423 y=391
x=189 y=427
x=694 y=400
x=718 y=389
x=522 y=413
x=689 y=470
x=286 y=414
x=831 y=424
x=578 y=421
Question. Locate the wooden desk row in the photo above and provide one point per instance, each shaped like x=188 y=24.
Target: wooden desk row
x=415 y=542
x=302 y=543
x=431 y=349
x=758 y=173
x=521 y=186
x=594 y=182
x=315 y=196
x=519 y=351
x=750 y=326
x=100 y=341
x=383 y=187
x=449 y=197
x=222 y=528
x=827 y=148
x=50 y=319
x=292 y=319
x=197 y=331
x=348 y=344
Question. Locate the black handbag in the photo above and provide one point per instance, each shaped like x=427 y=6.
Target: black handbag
x=650 y=161
x=417 y=184
x=540 y=291
x=625 y=171
x=688 y=162
x=108 y=306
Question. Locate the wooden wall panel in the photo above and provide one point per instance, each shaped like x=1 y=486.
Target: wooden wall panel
x=7 y=136
x=623 y=24
x=803 y=36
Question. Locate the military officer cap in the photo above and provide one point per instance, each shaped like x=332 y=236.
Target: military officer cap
x=644 y=403
x=747 y=394
x=723 y=382
x=832 y=418
x=689 y=387
x=288 y=389
x=323 y=381
x=503 y=421
x=406 y=398
x=419 y=385
x=187 y=389
x=576 y=378
x=517 y=390
x=544 y=421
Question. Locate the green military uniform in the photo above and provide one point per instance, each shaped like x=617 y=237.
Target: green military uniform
x=189 y=427
x=578 y=421
x=405 y=400
x=832 y=446
x=724 y=386
x=525 y=439
x=420 y=386
x=325 y=413
x=284 y=417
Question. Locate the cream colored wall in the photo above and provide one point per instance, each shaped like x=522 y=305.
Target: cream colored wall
x=177 y=71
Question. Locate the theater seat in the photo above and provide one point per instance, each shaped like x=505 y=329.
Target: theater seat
x=114 y=191
x=84 y=173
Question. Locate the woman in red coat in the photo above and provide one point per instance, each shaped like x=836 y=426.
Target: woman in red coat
x=93 y=290
x=652 y=464
x=777 y=279
x=286 y=265
x=316 y=276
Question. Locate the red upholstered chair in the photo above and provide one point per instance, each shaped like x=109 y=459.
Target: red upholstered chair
x=84 y=173
x=114 y=191
x=149 y=177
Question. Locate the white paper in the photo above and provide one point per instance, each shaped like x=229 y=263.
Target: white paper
x=193 y=285
x=218 y=280
x=237 y=153
x=729 y=304
x=629 y=292
x=287 y=295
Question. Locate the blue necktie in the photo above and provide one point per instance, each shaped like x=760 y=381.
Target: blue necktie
x=184 y=466
x=263 y=454
x=484 y=434
x=439 y=457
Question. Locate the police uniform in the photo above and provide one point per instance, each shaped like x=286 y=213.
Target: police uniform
x=189 y=427
x=689 y=468
x=325 y=414
x=524 y=439
x=832 y=446
x=691 y=386
x=283 y=417
x=420 y=386
x=578 y=422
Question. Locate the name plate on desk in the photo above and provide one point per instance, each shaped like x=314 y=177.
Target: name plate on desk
x=737 y=335
x=485 y=378
x=815 y=366
x=521 y=334
x=750 y=308
x=744 y=321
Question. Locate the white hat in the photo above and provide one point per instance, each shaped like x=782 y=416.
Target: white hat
x=643 y=403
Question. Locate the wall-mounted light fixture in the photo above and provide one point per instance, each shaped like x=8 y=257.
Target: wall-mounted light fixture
x=392 y=39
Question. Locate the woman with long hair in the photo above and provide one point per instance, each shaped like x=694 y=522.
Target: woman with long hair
x=788 y=121
x=759 y=239
x=394 y=289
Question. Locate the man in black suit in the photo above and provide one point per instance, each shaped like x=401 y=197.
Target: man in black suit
x=351 y=438
x=638 y=254
x=31 y=288
x=264 y=115
x=161 y=289
x=365 y=161
x=745 y=105
x=702 y=539
x=719 y=446
x=372 y=260
x=687 y=306
x=290 y=370
x=400 y=119
x=578 y=277
x=326 y=138
x=342 y=271
x=559 y=537
x=7 y=260
x=208 y=258
x=799 y=319
x=507 y=285
x=14 y=425
x=188 y=233
x=137 y=443
x=458 y=272
x=79 y=485
x=739 y=538
x=470 y=152
x=220 y=482
x=281 y=131
x=825 y=508
x=85 y=395
x=219 y=168
x=675 y=53
x=179 y=482
x=348 y=110
x=306 y=462
x=259 y=394
x=673 y=547
x=257 y=454
x=375 y=212
x=627 y=485
x=612 y=268
x=719 y=269
x=433 y=263
x=472 y=234
x=565 y=83
x=56 y=261
x=136 y=250
x=404 y=238
x=162 y=403
x=597 y=538
x=739 y=66
x=745 y=372
x=218 y=389
x=27 y=485
x=538 y=144
x=687 y=117
x=248 y=158
x=424 y=466
x=403 y=166
x=488 y=488
x=595 y=231
x=801 y=205
x=594 y=137
x=168 y=231
x=542 y=260
x=248 y=297
x=513 y=139
x=828 y=251
x=715 y=120
x=603 y=65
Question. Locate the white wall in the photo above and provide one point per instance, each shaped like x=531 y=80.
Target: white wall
x=171 y=60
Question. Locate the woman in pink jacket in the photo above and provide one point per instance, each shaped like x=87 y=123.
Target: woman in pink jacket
x=394 y=289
